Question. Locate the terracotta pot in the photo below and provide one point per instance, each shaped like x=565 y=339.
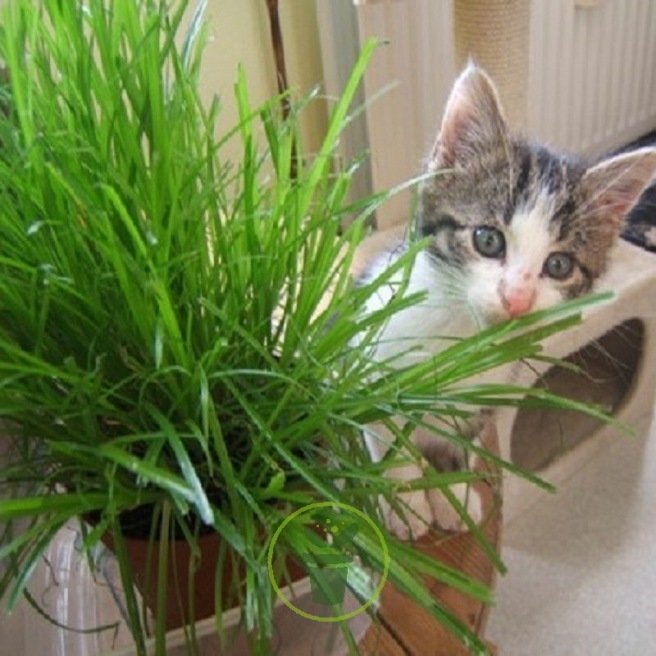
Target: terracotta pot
x=177 y=588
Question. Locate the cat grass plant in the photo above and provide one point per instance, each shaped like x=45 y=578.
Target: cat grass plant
x=176 y=329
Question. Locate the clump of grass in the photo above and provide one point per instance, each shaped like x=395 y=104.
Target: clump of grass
x=176 y=329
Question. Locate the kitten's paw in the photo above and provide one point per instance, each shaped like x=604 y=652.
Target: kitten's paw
x=416 y=518
x=446 y=516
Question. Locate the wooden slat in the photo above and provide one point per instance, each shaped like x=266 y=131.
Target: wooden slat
x=415 y=631
x=378 y=641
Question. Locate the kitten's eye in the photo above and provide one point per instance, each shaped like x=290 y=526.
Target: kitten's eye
x=559 y=266
x=489 y=242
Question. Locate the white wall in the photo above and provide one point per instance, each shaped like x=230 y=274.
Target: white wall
x=240 y=34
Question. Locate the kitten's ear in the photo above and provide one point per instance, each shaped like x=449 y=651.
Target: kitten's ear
x=613 y=186
x=473 y=119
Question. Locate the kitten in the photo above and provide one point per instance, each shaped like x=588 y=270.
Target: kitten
x=514 y=228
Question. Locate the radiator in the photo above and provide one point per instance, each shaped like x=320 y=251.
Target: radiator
x=590 y=80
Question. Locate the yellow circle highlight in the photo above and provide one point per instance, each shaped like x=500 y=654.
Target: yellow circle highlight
x=324 y=618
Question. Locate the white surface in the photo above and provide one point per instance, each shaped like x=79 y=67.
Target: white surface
x=74 y=596
x=582 y=571
x=295 y=636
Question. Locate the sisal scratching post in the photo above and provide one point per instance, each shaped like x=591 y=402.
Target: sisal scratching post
x=616 y=348
x=495 y=33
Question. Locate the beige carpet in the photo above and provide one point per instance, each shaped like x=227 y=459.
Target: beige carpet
x=582 y=563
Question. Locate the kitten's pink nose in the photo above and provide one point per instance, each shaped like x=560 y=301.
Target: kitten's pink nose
x=518 y=302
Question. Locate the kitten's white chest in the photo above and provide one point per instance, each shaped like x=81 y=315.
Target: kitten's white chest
x=427 y=327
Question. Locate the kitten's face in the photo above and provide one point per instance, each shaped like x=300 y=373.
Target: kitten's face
x=515 y=227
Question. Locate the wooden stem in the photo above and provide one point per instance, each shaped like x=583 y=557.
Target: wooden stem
x=279 y=55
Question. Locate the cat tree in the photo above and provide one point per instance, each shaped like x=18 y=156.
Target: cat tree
x=615 y=347
x=496 y=34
